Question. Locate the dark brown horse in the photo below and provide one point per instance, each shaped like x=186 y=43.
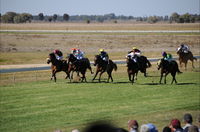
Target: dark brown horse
x=132 y=69
x=143 y=64
x=184 y=57
x=103 y=66
x=168 y=67
x=80 y=66
x=57 y=66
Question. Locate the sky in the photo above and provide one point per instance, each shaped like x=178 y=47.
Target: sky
x=101 y=7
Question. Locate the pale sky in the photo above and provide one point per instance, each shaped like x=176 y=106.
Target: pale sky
x=101 y=7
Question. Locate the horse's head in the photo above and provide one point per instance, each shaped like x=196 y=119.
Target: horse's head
x=162 y=63
x=48 y=60
x=179 y=51
x=52 y=56
x=71 y=58
x=97 y=59
x=128 y=58
x=159 y=63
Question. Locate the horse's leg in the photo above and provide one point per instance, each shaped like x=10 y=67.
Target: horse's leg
x=71 y=77
x=84 y=77
x=132 y=81
x=90 y=68
x=67 y=75
x=165 y=77
x=100 y=75
x=110 y=76
x=186 y=65
x=161 y=76
x=173 y=77
x=97 y=71
x=129 y=76
x=54 y=74
x=135 y=76
x=180 y=62
x=192 y=63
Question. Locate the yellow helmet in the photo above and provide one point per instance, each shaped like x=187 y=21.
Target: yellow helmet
x=101 y=50
x=134 y=48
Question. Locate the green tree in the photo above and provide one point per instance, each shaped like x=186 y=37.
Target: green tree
x=65 y=17
x=186 y=17
x=50 y=19
x=55 y=16
x=152 y=19
x=88 y=21
x=9 y=17
x=175 y=17
x=41 y=16
x=26 y=17
x=18 y=19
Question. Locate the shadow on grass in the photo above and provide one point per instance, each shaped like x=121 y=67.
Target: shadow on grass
x=186 y=83
x=169 y=84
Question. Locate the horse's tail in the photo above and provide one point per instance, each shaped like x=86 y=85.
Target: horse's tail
x=148 y=63
x=194 y=58
x=178 y=71
x=115 y=66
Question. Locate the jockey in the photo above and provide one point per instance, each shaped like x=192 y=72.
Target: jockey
x=134 y=54
x=58 y=54
x=79 y=54
x=73 y=51
x=167 y=56
x=104 y=55
x=183 y=48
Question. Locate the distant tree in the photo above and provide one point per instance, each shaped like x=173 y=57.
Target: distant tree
x=41 y=16
x=88 y=21
x=175 y=17
x=26 y=17
x=18 y=19
x=152 y=19
x=8 y=17
x=186 y=17
x=65 y=17
x=115 y=21
x=50 y=19
x=100 y=19
x=55 y=16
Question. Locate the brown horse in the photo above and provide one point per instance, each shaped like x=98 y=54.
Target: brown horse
x=103 y=66
x=168 y=67
x=57 y=66
x=78 y=66
x=184 y=57
x=143 y=64
x=133 y=68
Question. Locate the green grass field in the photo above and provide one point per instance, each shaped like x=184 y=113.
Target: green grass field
x=44 y=106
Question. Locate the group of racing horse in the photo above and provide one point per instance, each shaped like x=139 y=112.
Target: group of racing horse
x=71 y=65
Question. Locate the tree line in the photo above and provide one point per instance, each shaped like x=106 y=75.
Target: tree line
x=13 y=17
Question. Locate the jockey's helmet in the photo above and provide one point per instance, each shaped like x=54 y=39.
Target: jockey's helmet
x=134 y=48
x=164 y=54
x=56 y=51
x=101 y=50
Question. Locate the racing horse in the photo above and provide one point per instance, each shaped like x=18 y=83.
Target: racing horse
x=143 y=64
x=168 y=67
x=57 y=66
x=132 y=69
x=103 y=66
x=184 y=57
x=78 y=66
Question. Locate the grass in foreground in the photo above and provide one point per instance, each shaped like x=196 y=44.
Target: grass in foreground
x=45 y=106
